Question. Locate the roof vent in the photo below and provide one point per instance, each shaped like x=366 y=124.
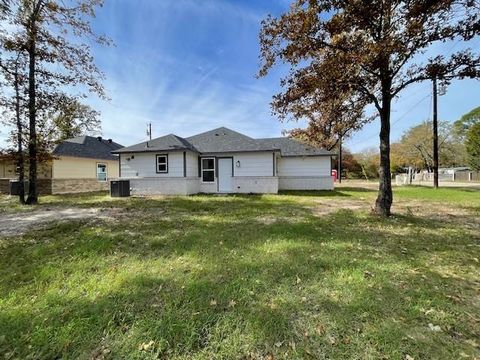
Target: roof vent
x=99 y=138
x=110 y=141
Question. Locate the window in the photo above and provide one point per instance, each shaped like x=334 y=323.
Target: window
x=208 y=169
x=101 y=172
x=162 y=164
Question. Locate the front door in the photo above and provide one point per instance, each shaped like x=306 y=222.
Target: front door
x=225 y=179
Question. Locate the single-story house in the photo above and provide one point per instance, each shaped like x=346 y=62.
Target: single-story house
x=80 y=164
x=223 y=161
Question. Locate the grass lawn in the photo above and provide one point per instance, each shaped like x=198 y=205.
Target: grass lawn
x=294 y=276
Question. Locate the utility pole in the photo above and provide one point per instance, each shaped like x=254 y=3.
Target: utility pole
x=340 y=160
x=435 y=134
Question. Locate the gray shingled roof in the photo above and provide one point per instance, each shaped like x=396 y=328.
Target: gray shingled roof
x=292 y=147
x=165 y=143
x=223 y=140
x=87 y=147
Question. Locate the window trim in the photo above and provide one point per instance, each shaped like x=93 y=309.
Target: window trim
x=166 y=163
x=214 y=169
x=106 y=171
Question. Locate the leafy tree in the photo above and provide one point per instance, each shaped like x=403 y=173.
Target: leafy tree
x=469 y=119
x=71 y=118
x=415 y=147
x=67 y=118
x=473 y=146
x=368 y=52
x=368 y=160
x=52 y=32
x=329 y=119
x=350 y=165
x=398 y=162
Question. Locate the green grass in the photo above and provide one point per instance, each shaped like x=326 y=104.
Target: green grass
x=245 y=277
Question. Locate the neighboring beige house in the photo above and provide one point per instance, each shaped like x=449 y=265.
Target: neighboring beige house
x=81 y=164
x=224 y=161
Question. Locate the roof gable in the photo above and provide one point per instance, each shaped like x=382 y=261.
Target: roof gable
x=225 y=140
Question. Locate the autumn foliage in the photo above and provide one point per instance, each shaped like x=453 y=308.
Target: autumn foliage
x=347 y=55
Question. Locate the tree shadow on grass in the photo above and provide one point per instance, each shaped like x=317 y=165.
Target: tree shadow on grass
x=171 y=277
x=269 y=313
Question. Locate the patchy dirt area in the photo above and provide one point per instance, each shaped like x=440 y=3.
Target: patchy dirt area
x=19 y=223
x=324 y=207
x=435 y=211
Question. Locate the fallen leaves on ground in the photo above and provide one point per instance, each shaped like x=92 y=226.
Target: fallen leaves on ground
x=146 y=346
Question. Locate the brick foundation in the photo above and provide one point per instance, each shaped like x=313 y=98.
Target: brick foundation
x=4 y=186
x=71 y=186
x=44 y=186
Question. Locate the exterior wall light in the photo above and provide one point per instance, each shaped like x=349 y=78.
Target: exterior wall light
x=237 y=163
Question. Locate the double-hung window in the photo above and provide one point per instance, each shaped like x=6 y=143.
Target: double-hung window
x=162 y=164
x=101 y=172
x=208 y=169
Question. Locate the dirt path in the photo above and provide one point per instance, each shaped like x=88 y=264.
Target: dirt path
x=19 y=223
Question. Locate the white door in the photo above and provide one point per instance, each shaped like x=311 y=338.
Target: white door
x=225 y=181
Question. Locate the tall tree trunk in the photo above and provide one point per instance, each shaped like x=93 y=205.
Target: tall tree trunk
x=435 y=135
x=32 y=144
x=20 y=155
x=385 y=196
x=340 y=169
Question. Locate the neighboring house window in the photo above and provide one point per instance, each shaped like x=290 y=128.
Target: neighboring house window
x=162 y=163
x=208 y=169
x=101 y=172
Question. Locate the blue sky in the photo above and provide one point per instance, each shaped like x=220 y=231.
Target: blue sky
x=188 y=66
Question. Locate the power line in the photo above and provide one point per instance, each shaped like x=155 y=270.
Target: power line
x=396 y=121
x=409 y=111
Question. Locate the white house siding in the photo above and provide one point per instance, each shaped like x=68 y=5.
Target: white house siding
x=140 y=168
x=305 y=173
x=304 y=166
x=254 y=175
x=192 y=164
x=143 y=165
x=253 y=164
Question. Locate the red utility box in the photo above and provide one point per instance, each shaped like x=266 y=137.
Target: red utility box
x=334 y=175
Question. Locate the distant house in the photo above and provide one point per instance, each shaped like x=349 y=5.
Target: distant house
x=81 y=164
x=224 y=161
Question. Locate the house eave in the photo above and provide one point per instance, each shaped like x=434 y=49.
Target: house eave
x=310 y=155
x=196 y=152
x=152 y=151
